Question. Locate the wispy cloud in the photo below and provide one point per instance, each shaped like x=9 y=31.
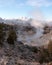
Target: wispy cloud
x=20 y=3
x=12 y=3
x=39 y=2
x=4 y=3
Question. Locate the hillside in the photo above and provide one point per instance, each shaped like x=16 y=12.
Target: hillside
x=30 y=47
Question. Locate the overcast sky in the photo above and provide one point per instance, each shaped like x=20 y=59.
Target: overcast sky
x=26 y=8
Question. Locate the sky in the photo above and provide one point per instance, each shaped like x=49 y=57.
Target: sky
x=26 y=8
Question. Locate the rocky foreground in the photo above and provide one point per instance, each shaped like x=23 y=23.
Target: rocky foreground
x=24 y=51
x=19 y=54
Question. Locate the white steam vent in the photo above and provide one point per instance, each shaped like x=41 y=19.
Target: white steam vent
x=38 y=17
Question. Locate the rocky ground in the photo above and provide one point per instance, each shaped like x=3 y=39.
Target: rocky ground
x=23 y=52
x=18 y=54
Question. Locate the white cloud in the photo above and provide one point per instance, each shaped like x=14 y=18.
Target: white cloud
x=39 y=2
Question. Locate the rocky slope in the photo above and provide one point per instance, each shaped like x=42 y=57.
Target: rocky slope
x=20 y=54
x=28 y=49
